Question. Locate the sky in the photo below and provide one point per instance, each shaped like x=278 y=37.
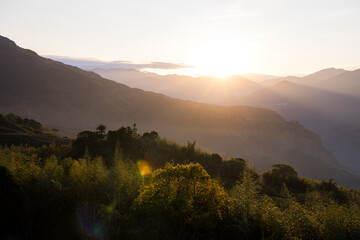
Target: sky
x=279 y=37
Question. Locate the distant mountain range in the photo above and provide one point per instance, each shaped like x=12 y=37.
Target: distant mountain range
x=330 y=107
x=205 y=89
x=71 y=100
x=308 y=80
x=92 y=63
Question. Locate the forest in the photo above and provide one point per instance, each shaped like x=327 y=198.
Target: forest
x=122 y=184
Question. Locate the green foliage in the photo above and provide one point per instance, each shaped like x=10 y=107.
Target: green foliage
x=125 y=179
x=183 y=199
x=156 y=151
x=296 y=221
x=339 y=221
x=121 y=186
x=255 y=216
x=280 y=175
x=232 y=171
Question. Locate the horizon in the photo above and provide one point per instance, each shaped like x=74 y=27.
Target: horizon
x=270 y=37
x=85 y=63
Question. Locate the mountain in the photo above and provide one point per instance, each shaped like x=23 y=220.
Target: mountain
x=347 y=83
x=314 y=107
x=95 y=64
x=308 y=80
x=334 y=116
x=323 y=75
x=204 y=89
x=258 y=77
x=71 y=100
x=271 y=82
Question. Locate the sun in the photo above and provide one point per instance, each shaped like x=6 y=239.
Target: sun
x=222 y=58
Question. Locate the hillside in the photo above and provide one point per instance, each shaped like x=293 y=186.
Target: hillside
x=71 y=100
x=16 y=131
x=334 y=116
x=347 y=83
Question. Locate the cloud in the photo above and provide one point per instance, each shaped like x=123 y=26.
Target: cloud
x=95 y=63
x=165 y=65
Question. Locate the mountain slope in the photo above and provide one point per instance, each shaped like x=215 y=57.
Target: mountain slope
x=347 y=83
x=17 y=131
x=334 y=116
x=308 y=80
x=71 y=100
x=322 y=75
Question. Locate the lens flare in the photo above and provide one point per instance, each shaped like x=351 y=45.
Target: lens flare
x=110 y=208
x=144 y=167
x=89 y=221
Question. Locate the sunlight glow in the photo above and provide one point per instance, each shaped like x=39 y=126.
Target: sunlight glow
x=144 y=167
x=223 y=58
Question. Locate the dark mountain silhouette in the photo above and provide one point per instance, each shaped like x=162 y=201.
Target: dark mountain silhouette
x=334 y=116
x=72 y=100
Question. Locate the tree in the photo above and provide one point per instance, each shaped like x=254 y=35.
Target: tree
x=182 y=199
x=101 y=131
x=282 y=174
x=255 y=216
x=232 y=171
x=284 y=171
x=125 y=179
x=297 y=221
x=151 y=136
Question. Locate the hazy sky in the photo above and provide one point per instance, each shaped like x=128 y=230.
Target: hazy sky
x=267 y=36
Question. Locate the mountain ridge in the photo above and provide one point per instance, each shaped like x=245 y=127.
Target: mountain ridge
x=333 y=115
x=206 y=89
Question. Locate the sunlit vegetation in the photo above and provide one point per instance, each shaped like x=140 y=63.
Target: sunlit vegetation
x=125 y=185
